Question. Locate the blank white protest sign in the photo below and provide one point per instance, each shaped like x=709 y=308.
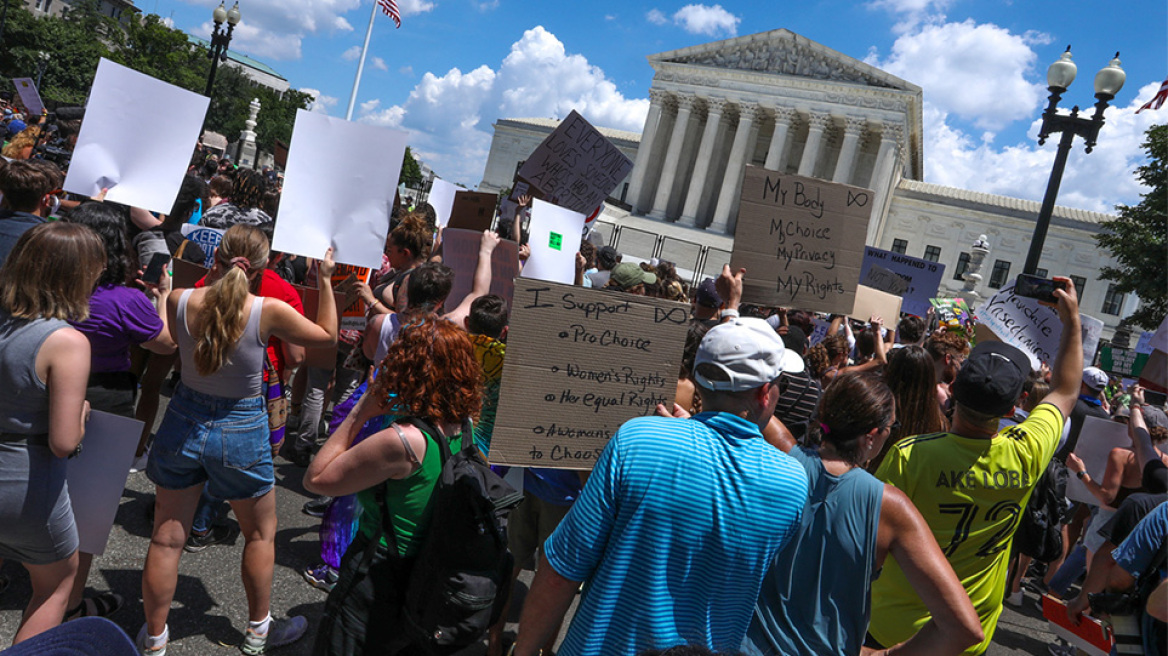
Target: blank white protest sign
x=338 y=189
x=554 y=240
x=442 y=199
x=136 y=140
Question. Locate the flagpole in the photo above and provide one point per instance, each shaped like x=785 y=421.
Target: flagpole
x=361 y=64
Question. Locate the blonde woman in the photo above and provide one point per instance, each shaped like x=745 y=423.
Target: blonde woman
x=215 y=431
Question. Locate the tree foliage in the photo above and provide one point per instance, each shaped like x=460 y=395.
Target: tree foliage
x=1138 y=238
x=411 y=171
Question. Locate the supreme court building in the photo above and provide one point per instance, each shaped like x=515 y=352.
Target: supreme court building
x=783 y=102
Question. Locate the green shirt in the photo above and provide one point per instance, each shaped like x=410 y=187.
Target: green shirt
x=409 y=500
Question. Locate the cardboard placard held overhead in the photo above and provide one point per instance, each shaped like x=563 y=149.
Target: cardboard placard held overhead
x=875 y=303
x=801 y=241
x=1024 y=323
x=923 y=277
x=885 y=280
x=146 y=168
x=460 y=252
x=1096 y=440
x=575 y=167
x=554 y=239
x=472 y=210
x=29 y=97
x=580 y=362
x=441 y=198
x=339 y=189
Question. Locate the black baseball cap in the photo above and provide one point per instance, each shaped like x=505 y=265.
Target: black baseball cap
x=991 y=379
x=706 y=294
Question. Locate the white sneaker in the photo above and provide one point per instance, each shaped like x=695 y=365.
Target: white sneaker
x=140 y=643
x=280 y=632
x=1015 y=599
x=140 y=462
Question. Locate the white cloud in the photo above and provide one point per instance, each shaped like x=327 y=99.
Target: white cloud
x=912 y=12
x=351 y=54
x=379 y=64
x=1096 y=181
x=609 y=17
x=275 y=29
x=975 y=72
x=408 y=71
x=320 y=103
x=169 y=22
x=709 y=21
x=450 y=116
x=414 y=7
x=656 y=17
x=486 y=5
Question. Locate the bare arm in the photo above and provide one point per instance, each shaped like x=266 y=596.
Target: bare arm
x=729 y=286
x=291 y=326
x=1106 y=490
x=1097 y=576
x=548 y=601
x=777 y=435
x=1067 y=375
x=342 y=468
x=1137 y=428
x=482 y=279
x=162 y=343
x=63 y=363
x=904 y=534
x=143 y=218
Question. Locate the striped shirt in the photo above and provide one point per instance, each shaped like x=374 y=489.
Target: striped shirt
x=674 y=532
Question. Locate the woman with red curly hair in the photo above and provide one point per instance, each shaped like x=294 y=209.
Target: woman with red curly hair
x=430 y=373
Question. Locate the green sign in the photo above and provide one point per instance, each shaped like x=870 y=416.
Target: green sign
x=556 y=241
x=1125 y=362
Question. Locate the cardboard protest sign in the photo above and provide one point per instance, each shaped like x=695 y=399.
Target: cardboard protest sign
x=875 y=303
x=554 y=239
x=580 y=362
x=442 y=199
x=207 y=238
x=885 y=280
x=801 y=241
x=923 y=277
x=147 y=170
x=29 y=97
x=575 y=167
x=1024 y=323
x=339 y=188
x=460 y=252
x=1096 y=440
x=323 y=358
x=472 y=210
x=98 y=474
x=186 y=274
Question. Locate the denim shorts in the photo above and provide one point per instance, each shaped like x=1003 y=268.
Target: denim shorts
x=214 y=440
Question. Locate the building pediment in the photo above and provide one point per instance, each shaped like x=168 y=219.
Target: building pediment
x=782 y=52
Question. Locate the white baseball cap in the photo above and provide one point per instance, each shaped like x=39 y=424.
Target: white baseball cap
x=1094 y=378
x=748 y=351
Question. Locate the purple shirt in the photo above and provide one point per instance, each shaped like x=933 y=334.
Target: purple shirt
x=118 y=317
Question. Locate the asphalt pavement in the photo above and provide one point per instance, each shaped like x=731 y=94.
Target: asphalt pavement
x=210 y=609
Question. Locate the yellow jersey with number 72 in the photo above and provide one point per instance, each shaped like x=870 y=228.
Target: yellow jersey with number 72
x=972 y=493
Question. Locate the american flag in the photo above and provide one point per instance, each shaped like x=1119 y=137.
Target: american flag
x=1157 y=100
x=390 y=9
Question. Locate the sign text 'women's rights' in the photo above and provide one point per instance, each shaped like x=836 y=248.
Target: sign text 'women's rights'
x=801 y=241
x=581 y=362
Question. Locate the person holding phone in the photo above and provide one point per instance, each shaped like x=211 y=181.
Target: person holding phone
x=215 y=431
x=119 y=317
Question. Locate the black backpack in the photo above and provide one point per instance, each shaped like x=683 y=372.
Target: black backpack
x=462 y=574
x=1039 y=533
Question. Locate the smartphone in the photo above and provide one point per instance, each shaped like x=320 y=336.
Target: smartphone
x=156 y=268
x=1157 y=399
x=1040 y=289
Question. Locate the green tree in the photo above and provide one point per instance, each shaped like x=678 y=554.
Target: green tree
x=149 y=46
x=73 y=54
x=1138 y=239
x=411 y=171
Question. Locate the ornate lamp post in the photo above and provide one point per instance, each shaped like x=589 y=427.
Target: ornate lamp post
x=221 y=38
x=1059 y=76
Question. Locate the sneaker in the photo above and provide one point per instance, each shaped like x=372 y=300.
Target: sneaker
x=317 y=507
x=103 y=605
x=322 y=577
x=1015 y=599
x=139 y=464
x=140 y=643
x=217 y=535
x=280 y=632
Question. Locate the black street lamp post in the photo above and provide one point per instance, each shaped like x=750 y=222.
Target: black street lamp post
x=220 y=39
x=1059 y=76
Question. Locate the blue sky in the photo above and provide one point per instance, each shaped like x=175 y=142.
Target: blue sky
x=457 y=65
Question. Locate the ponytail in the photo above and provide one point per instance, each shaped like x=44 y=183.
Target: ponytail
x=243 y=248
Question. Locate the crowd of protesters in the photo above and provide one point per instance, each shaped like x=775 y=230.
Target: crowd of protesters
x=858 y=494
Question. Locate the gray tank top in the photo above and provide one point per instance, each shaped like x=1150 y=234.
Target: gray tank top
x=24 y=401
x=242 y=376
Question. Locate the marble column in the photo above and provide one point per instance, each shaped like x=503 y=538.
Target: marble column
x=739 y=152
x=776 y=157
x=645 y=160
x=672 y=156
x=883 y=177
x=816 y=124
x=697 y=184
x=853 y=127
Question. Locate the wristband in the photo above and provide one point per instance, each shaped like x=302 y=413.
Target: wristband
x=1081 y=475
x=730 y=314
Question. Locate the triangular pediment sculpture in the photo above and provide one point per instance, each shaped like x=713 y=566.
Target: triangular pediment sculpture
x=782 y=52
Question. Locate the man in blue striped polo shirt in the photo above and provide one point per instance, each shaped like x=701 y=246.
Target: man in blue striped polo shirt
x=674 y=529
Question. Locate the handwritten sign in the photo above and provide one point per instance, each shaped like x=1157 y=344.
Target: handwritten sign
x=472 y=210
x=575 y=167
x=1024 y=323
x=953 y=313
x=875 y=303
x=581 y=362
x=819 y=333
x=801 y=241
x=885 y=280
x=923 y=277
x=460 y=252
x=29 y=96
x=1125 y=362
